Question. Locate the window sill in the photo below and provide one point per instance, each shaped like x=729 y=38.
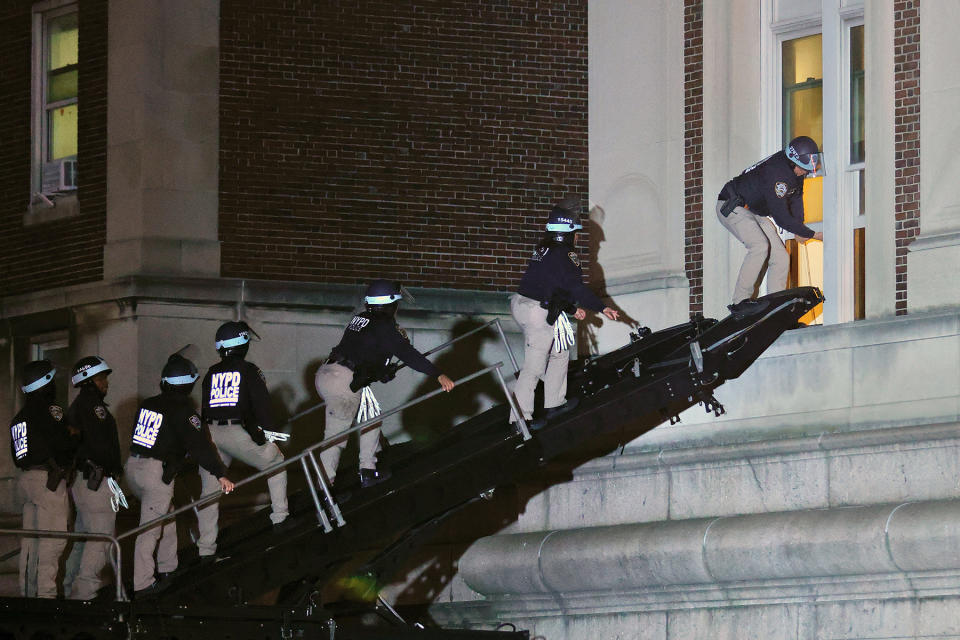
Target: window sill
x=63 y=207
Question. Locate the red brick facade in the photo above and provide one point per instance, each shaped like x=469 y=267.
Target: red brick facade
x=424 y=141
x=693 y=150
x=62 y=252
x=906 y=51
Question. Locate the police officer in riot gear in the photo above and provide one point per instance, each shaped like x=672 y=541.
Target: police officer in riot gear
x=552 y=286
x=363 y=356
x=236 y=406
x=772 y=188
x=168 y=428
x=42 y=450
x=97 y=460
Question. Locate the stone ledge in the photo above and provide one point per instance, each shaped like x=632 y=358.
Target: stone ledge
x=903 y=546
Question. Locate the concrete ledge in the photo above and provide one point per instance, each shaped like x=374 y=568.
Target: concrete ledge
x=839 y=543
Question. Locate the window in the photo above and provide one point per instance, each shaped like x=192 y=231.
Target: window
x=55 y=107
x=801 y=71
x=818 y=91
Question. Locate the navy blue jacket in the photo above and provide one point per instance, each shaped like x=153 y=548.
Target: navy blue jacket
x=168 y=428
x=556 y=266
x=371 y=339
x=771 y=188
x=39 y=432
x=99 y=442
x=235 y=389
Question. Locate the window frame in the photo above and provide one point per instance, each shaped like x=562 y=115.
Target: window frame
x=841 y=195
x=41 y=14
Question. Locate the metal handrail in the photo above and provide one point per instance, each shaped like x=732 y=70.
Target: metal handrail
x=212 y=497
x=115 y=560
x=495 y=321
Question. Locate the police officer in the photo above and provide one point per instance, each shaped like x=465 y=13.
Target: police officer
x=42 y=449
x=236 y=405
x=772 y=188
x=97 y=460
x=551 y=286
x=167 y=429
x=370 y=340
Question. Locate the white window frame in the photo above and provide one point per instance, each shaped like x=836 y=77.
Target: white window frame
x=840 y=186
x=42 y=13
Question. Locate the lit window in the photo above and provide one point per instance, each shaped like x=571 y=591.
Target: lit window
x=55 y=108
x=802 y=101
x=855 y=167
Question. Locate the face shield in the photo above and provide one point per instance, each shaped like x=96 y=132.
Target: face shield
x=818 y=169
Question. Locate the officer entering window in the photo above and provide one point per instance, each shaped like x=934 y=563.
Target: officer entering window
x=42 y=450
x=168 y=428
x=363 y=356
x=772 y=188
x=551 y=287
x=97 y=461
x=236 y=406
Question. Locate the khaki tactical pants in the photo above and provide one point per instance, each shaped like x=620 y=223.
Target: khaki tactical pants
x=89 y=557
x=144 y=475
x=333 y=385
x=540 y=360
x=759 y=235
x=233 y=442
x=40 y=557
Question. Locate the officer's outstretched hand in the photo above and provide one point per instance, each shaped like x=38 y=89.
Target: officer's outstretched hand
x=225 y=484
x=580 y=314
x=613 y=314
x=818 y=235
x=445 y=382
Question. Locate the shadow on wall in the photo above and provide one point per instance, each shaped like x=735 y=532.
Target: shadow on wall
x=429 y=419
x=588 y=329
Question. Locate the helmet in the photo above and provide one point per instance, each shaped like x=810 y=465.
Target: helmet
x=232 y=335
x=382 y=292
x=179 y=372
x=88 y=367
x=804 y=153
x=36 y=375
x=565 y=216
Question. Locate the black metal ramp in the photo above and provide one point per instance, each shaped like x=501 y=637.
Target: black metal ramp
x=627 y=391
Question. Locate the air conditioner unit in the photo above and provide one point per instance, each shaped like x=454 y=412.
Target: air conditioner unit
x=59 y=175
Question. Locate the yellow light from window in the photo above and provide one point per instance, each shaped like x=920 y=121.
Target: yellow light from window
x=64 y=41
x=63 y=132
x=813 y=200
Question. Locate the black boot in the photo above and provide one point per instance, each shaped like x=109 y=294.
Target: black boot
x=553 y=412
x=370 y=477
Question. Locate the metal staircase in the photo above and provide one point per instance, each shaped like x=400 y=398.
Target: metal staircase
x=621 y=394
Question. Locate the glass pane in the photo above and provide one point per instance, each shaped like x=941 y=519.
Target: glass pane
x=62 y=86
x=856 y=95
x=63 y=41
x=862 y=198
x=806 y=269
x=62 y=123
x=804 y=113
x=802 y=60
x=859 y=274
x=813 y=200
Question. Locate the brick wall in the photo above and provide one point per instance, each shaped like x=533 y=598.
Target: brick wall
x=419 y=140
x=693 y=149
x=906 y=51
x=63 y=252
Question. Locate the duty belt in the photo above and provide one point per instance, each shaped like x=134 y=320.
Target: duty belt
x=226 y=423
x=346 y=362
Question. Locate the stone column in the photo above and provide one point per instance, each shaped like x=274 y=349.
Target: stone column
x=636 y=162
x=162 y=138
x=934 y=258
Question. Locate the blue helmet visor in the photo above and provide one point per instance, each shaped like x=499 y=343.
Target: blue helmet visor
x=382 y=299
x=811 y=162
x=89 y=372
x=38 y=383
x=241 y=339
x=177 y=380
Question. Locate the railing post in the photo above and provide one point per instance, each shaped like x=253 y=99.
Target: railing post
x=334 y=507
x=503 y=337
x=521 y=423
x=321 y=515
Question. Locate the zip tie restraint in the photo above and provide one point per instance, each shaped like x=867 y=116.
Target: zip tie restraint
x=117 y=500
x=369 y=407
x=562 y=333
